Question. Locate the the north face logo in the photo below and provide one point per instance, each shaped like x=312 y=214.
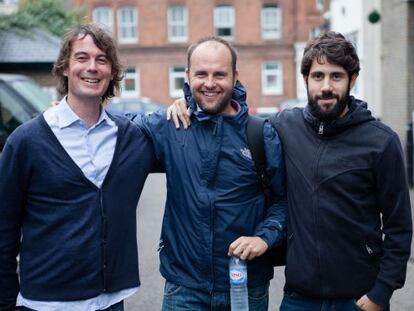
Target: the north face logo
x=246 y=152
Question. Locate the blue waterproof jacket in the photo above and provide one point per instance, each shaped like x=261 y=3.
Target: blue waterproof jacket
x=214 y=196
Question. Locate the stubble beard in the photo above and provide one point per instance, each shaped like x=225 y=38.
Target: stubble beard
x=218 y=108
x=335 y=112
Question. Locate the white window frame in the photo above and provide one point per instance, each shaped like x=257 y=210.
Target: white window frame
x=103 y=16
x=174 y=24
x=271 y=22
x=131 y=73
x=268 y=89
x=224 y=17
x=132 y=25
x=173 y=75
x=319 y=4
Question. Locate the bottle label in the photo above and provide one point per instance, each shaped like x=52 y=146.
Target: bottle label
x=238 y=276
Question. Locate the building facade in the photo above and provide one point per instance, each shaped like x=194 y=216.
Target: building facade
x=397 y=19
x=153 y=36
x=351 y=18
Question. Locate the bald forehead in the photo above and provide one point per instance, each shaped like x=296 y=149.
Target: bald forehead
x=210 y=47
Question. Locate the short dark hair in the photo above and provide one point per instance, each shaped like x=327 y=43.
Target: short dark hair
x=232 y=50
x=335 y=48
x=103 y=41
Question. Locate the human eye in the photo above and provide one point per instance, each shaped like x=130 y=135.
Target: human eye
x=220 y=75
x=337 y=76
x=102 y=60
x=200 y=74
x=80 y=58
x=317 y=76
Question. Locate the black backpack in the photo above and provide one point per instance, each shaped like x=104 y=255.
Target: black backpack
x=255 y=141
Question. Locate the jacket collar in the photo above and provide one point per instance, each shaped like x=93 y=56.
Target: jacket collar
x=238 y=95
x=358 y=113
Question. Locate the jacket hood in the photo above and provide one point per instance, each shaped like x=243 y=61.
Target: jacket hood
x=358 y=113
x=238 y=94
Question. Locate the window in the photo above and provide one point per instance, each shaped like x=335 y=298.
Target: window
x=177 y=79
x=127 y=25
x=271 y=22
x=272 y=78
x=224 y=21
x=319 y=5
x=177 y=24
x=130 y=83
x=103 y=17
x=9 y=1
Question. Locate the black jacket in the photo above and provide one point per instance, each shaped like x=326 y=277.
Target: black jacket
x=341 y=177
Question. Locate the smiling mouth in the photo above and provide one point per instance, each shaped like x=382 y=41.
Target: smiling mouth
x=210 y=94
x=89 y=80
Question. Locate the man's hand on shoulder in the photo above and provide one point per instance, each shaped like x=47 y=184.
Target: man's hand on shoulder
x=366 y=304
x=248 y=247
x=179 y=112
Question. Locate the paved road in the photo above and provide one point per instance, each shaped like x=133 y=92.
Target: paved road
x=149 y=296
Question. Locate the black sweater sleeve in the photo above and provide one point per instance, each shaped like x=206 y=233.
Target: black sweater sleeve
x=394 y=202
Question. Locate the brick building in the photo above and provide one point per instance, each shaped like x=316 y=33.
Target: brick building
x=153 y=36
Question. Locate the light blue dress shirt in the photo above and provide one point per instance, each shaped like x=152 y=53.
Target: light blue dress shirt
x=92 y=149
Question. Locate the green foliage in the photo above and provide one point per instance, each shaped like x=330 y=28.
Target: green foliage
x=51 y=15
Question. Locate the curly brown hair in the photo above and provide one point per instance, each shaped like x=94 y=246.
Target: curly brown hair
x=335 y=48
x=104 y=42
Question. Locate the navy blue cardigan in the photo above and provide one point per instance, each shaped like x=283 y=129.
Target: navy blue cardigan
x=77 y=240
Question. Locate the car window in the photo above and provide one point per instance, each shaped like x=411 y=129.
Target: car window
x=132 y=107
x=12 y=112
x=33 y=94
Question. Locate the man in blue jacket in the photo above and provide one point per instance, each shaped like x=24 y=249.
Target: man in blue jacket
x=69 y=189
x=349 y=226
x=215 y=203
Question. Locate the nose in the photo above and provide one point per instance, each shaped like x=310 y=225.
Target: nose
x=326 y=86
x=92 y=65
x=209 y=82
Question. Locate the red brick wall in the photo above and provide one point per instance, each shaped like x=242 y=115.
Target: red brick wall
x=153 y=54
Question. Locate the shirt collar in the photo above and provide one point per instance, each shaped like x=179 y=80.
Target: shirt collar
x=66 y=116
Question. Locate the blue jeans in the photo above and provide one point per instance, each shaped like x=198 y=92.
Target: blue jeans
x=180 y=298
x=295 y=302
x=116 y=307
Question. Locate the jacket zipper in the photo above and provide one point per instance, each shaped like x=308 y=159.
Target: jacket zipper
x=321 y=126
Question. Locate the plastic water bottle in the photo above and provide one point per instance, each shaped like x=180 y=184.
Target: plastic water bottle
x=238 y=285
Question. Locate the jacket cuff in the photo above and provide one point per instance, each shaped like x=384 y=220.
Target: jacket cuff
x=380 y=294
x=273 y=238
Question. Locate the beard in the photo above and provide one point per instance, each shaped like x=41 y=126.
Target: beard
x=335 y=112
x=218 y=107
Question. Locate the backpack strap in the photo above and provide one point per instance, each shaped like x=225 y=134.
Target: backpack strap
x=255 y=141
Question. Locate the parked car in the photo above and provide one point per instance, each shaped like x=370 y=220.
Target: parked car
x=292 y=103
x=121 y=105
x=20 y=100
x=263 y=112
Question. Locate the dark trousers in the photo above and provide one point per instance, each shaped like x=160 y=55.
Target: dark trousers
x=295 y=302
